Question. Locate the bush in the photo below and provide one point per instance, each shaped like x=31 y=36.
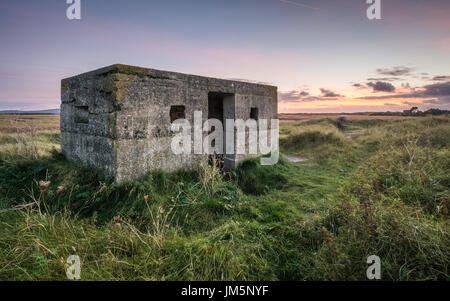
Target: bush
x=255 y=179
x=415 y=175
x=411 y=246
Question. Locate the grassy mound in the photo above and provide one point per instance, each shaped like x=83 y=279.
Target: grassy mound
x=319 y=141
x=255 y=179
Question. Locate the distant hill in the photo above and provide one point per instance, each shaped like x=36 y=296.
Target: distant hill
x=51 y=111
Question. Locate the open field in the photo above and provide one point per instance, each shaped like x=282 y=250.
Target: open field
x=285 y=117
x=24 y=123
x=380 y=187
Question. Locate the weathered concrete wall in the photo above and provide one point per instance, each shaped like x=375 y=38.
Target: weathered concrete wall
x=90 y=141
x=117 y=119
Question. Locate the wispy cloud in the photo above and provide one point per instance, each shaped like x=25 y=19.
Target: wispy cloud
x=381 y=86
x=384 y=79
x=428 y=91
x=441 y=78
x=396 y=71
x=304 y=96
x=329 y=93
x=298 y=4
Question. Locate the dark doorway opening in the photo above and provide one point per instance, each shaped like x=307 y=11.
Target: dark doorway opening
x=215 y=111
x=221 y=106
x=215 y=106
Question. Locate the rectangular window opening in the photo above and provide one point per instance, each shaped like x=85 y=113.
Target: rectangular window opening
x=254 y=113
x=81 y=114
x=177 y=112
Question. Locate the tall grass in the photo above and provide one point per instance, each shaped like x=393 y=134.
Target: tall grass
x=320 y=141
x=380 y=187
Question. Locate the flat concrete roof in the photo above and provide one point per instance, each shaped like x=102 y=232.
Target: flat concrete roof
x=134 y=70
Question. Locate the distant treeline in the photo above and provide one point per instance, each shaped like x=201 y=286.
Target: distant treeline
x=414 y=111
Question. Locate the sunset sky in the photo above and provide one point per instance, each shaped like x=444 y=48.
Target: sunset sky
x=324 y=55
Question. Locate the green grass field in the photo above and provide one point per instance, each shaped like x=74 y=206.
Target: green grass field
x=380 y=187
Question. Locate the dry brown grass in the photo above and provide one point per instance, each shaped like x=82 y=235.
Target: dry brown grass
x=13 y=123
x=28 y=136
